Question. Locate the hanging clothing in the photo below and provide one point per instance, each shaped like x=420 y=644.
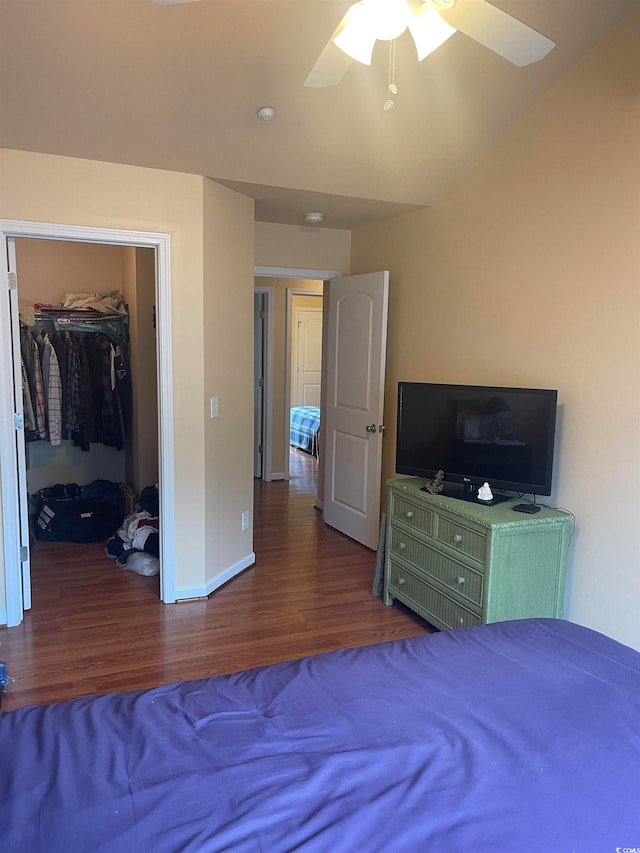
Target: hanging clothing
x=26 y=349
x=44 y=367
x=53 y=390
x=106 y=423
x=58 y=344
x=79 y=384
x=41 y=410
x=72 y=404
x=123 y=387
x=87 y=422
x=27 y=405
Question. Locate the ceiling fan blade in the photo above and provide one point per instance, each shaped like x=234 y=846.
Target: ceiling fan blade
x=330 y=68
x=498 y=31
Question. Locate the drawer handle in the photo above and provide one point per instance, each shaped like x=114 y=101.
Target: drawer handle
x=457 y=537
x=460 y=580
x=402 y=545
x=401 y=581
x=409 y=513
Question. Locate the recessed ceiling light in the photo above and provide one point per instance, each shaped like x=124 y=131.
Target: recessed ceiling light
x=314 y=217
x=266 y=113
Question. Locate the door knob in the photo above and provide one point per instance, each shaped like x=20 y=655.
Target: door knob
x=371 y=428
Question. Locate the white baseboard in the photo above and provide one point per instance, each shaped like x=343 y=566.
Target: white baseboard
x=224 y=576
x=278 y=476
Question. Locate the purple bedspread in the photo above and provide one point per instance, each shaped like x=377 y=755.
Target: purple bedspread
x=509 y=738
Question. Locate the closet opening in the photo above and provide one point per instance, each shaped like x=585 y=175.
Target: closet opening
x=87 y=316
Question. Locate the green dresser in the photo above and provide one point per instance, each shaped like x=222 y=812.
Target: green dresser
x=457 y=563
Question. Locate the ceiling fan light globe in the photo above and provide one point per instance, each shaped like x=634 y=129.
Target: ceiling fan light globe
x=428 y=30
x=369 y=21
x=358 y=47
x=355 y=35
x=388 y=18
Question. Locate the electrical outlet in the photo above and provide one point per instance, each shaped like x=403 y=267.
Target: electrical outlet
x=245 y=520
x=214 y=407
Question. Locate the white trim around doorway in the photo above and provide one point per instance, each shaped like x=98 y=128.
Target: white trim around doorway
x=161 y=243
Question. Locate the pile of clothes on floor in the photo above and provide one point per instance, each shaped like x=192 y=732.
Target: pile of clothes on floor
x=136 y=544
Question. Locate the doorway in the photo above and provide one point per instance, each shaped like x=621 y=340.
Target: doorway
x=272 y=344
x=108 y=439
x=364 y=335
x=12 y=480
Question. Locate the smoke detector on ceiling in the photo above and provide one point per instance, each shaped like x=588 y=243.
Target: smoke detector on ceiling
x=266 y=113
x=314 y=217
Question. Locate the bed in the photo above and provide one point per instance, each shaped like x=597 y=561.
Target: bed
x=305 y=428
x=511 y=737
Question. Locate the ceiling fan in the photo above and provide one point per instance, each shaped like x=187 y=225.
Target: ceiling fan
x=430 y=22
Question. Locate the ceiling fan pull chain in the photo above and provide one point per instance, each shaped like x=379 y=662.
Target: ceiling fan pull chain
x=392 y=88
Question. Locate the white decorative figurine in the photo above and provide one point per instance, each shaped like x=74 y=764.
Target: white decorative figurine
x=485 y=493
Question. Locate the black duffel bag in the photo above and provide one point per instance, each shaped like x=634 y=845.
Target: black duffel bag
x=73 y=513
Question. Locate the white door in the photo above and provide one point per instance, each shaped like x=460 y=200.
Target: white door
x=353 y=416
x=308 y=356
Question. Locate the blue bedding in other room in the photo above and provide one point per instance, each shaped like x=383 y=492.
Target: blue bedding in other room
x=305 y=428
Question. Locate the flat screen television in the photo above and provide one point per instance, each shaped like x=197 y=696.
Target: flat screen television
x=477 y=434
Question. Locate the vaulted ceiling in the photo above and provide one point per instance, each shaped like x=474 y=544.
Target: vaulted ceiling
x=178 y=88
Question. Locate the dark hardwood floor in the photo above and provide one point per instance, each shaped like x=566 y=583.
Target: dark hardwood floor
x=96 y=628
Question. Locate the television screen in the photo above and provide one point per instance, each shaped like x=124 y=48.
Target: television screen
x=503 y=436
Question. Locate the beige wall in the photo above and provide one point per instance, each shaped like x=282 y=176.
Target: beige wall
x=302 y=248
x=527 y=274
x=47 y=269
x=228 y=375
x=49 y=188
x=279 y=405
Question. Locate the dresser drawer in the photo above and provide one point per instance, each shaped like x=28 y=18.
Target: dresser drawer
x=456 y=576
x=461 y=539
x=412 y=514
x=431 y=603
